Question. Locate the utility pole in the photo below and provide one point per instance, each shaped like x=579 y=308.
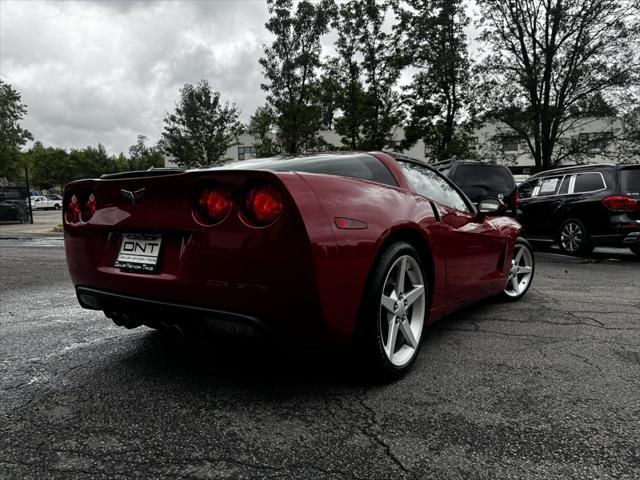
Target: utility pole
x=26 y=176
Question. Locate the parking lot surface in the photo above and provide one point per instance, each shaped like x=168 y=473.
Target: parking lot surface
x=545 y=388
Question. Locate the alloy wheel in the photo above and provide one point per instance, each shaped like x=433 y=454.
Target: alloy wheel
x=521 y=271
x=402 y=310
x=571 y=237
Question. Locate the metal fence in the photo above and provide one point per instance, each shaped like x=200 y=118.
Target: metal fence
x=14 y=204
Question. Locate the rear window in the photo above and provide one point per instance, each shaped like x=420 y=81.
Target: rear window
x=494 y=178
x=630 y=180
x=588 y=182
x=364 y=167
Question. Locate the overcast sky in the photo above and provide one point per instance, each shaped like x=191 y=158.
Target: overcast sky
x=105 y=71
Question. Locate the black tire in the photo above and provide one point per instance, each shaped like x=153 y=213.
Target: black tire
x=56 y=206
x=369 y=342
x=635 y=249
x=573 y=238
x=507 y=295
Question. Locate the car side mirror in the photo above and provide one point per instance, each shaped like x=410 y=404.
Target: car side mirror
x=491 y=206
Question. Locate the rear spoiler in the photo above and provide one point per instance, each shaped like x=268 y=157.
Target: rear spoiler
x=152 y=172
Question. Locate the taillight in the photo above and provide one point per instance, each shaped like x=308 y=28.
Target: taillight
x=72 y=212
x=214 y=204
x=621 y=202
x=90 y=207
x=263 y=205
x=516 y=200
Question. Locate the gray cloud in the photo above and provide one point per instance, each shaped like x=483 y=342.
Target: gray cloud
x=105 y=71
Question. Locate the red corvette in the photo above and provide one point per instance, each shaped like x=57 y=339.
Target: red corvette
x=354 y=248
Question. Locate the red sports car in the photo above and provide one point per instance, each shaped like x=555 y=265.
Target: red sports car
x=357 y=248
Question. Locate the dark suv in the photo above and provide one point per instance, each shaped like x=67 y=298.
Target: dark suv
x=583 y=207
x=480 y=179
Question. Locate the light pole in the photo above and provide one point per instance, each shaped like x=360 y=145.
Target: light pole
x=26 y=176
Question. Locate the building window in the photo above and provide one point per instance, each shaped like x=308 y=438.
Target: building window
x=245 y=153
x=510 y=145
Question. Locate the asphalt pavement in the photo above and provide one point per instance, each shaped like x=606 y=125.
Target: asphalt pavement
x=545 y=388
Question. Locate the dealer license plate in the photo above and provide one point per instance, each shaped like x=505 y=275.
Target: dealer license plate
x=139 y=253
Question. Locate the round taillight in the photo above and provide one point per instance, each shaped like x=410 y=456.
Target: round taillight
x=72 y=213
x=264 y=204
x=214 y=204
x=90 y=206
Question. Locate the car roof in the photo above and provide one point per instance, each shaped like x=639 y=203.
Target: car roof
x=277 y=162
x=401 y=157
x=574 y=169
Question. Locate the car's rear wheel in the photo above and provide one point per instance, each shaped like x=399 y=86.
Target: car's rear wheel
x=573 y=238
x=635 y=249
x=523 y=267
x=394 y=310
x=56 y=206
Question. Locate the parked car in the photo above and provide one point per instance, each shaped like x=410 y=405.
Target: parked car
x=359 y=249
x=46 y=202
x=583 y=207
x=482 y=179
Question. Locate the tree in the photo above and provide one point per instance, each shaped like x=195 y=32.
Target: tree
x=351 y=97
x=381 y=67
x=89 y=162
x=327 y=92
x=435 y=43
x=261 y=126
x=53 y=167
x=202 y=129
x=629 y=140
x=549 y=57
x=290 y=67
x=142 y=157
x=49 y=167
x=12 y=135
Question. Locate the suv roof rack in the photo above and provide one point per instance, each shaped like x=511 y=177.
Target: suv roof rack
x=562 y=169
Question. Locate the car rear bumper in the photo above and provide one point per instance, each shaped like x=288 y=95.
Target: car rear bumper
x=619 y=240
x=153 y=311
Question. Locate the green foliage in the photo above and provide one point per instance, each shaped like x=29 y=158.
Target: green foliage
x=290 y=67
x=327 y=93
x=142 y=157
x=435 y=43
x=381 y=66
x=366 y=70
x=261 y=126
x=547 y=62
x=51 y=167
x=12 y=135
x=202 y=129
x=48 y=167
x=346 y=68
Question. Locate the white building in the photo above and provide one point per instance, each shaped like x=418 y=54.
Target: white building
x=492 y=142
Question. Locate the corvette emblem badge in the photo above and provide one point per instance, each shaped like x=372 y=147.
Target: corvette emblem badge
x=133 y=196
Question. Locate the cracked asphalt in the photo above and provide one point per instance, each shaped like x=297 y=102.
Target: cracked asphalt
x=545 y=388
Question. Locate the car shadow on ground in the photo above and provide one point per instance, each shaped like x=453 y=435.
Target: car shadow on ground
x=239 y=361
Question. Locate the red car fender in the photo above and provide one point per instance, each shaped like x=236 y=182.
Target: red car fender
x=344 y=255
